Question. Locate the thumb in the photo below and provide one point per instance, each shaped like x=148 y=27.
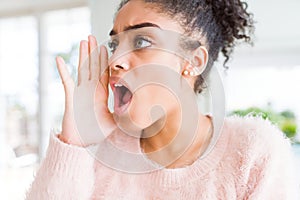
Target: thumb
x=66 y=78
x=64 y=73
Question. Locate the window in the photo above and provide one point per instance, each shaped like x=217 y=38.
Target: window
x=256 y=86
x=28 y=46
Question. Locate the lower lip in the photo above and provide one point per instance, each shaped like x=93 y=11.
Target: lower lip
x=121 y=109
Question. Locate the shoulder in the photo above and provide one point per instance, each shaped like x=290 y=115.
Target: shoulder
x=261 y=156
x=253 y=129
x=255 y=135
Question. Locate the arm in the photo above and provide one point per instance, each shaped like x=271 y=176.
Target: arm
x=66 y=173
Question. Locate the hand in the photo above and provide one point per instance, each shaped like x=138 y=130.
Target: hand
x=87 y=119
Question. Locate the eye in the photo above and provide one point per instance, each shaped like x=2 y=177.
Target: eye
x=141 y=42
x=113 y=44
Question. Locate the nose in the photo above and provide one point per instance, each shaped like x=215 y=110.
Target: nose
x=120 y=64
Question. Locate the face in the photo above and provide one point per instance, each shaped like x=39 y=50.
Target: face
x=146 y=71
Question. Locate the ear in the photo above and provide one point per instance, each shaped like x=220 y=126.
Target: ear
x=198 y=62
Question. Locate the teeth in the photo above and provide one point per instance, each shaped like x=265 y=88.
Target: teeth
x=118 y=85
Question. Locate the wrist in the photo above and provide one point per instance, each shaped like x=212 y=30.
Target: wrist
x=67 y=140
x=62 y=138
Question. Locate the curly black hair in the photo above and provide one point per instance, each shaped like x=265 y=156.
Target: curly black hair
x=221 y=23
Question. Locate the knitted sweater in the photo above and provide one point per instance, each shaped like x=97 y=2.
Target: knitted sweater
x=250 y=160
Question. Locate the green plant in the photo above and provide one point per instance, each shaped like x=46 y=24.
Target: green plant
x=285 y=120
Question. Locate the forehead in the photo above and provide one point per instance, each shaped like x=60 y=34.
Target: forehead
x=138 y=12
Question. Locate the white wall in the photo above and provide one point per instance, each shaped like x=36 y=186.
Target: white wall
x=102 y=17
x=277 y=35
x=25 y=7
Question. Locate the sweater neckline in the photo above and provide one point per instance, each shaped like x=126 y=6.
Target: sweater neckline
x=206 y=162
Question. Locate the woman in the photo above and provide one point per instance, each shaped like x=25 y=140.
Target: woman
x=156 y=144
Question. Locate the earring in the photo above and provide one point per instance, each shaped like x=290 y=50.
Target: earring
x=192 y=73
x=196 y=71
x=186 y=72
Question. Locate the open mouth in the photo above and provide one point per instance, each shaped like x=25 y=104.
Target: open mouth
x=122 y=98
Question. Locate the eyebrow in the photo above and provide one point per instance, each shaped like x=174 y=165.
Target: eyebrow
x=136 y=26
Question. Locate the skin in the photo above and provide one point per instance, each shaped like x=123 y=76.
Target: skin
x=166 y=125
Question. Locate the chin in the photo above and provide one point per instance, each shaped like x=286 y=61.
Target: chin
x=130 y=124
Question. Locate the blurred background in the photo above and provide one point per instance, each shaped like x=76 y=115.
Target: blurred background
x=261 y=80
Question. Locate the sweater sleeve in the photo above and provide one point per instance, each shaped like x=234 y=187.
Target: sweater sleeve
x=272 y=173
x=67 y=172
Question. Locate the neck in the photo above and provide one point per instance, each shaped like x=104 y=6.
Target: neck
x=164 y=149
x=161 y=132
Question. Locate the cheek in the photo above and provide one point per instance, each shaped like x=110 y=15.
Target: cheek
x=172 y=62
x=151 y=103
x=160 y=58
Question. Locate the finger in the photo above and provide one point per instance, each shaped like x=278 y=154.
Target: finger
x=64 y=73
x=104 y=67
x=83 y=67
x=94 y=58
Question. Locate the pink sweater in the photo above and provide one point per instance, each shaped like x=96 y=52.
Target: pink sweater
x=251 y=160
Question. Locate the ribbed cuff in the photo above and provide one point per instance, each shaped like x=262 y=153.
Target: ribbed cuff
x=66 y=158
